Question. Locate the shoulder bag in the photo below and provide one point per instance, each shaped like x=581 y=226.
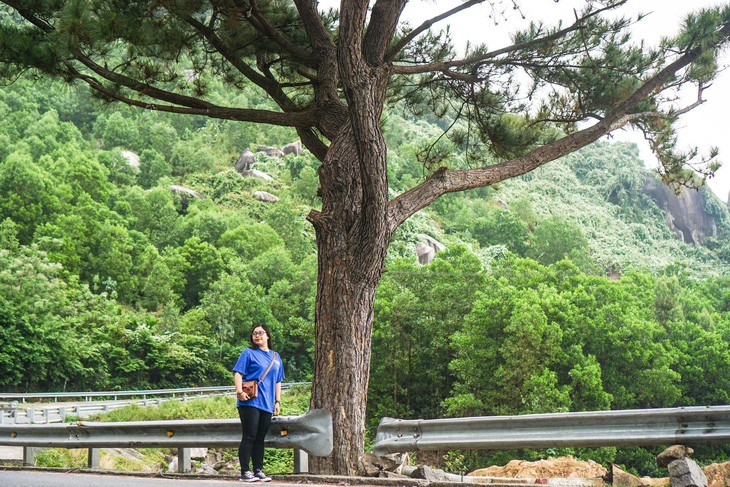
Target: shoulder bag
x=251 y=387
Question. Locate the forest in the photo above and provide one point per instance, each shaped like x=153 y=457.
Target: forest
x=110 y=280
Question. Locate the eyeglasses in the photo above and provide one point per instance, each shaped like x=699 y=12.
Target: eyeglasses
x=258 y=333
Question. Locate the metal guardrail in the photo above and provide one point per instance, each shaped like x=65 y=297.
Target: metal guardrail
x=641 y=427
x=310 y=432
x=114 y=395
x=10 y=412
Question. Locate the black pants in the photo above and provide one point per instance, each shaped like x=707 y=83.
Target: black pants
x=254 y=425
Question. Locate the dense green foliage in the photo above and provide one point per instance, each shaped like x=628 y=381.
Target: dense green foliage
x=110 y=281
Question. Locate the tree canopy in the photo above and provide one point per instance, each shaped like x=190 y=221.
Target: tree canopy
x=329 y=75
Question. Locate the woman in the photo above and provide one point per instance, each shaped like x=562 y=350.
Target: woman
x=255 y=413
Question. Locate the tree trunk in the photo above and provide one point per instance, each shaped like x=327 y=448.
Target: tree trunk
x=352 y=239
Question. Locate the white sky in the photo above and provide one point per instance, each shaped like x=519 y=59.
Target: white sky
x=703 y=127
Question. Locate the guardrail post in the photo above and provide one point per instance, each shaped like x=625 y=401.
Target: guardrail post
x=183 y=460
x=94 y=460
x=46 y=415
x=62 y=413
x=30 y=414
x=301 y=461
x=28 y=456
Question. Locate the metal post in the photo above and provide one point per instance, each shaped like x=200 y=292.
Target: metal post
x=28 y=456
x=46 y=415
x=30 y=414
x=301 y=461
x=94 y=460
x=62 y=413
x=183 y=460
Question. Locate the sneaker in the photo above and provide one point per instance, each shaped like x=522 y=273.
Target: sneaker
x=249 y=477
x=261 y=476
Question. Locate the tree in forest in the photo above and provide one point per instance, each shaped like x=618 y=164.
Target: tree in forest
x=330 y=76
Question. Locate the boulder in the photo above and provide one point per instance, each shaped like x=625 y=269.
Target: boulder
x=255 y=173
x=185 y=195
x=207 y=470
x=621 y=478
x=425 y=253
x=674 y=452
x=370 y=465
x=686 y=473
x=131 y=158
x=264 y=196
x=270 y=151
x=684 y=213
x=293 y=148
x=245 y=160
x=198 y=453
x=434 y=474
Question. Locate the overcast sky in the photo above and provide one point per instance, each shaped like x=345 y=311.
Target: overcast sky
x=704 y=127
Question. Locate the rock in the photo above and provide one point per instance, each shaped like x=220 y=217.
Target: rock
x=718 y=474
x=662 y=482
x=270 y=151
x=621 y=478
x=434 y=475
x=207 y=470
x=502 y=203
x=684 y=214
x=392 y=475
x=562 y=467
x=131 y=158
x=172 y=467
x=264 y=196
x=370 y=465
x=254 y=173
x=293 y=148
x=198 y=453
x=686 y=473
x=674 y=452
x=425 y=253
x=245 y=160
x=185 y=195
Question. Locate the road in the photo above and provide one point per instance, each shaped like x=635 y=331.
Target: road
x=24 y=478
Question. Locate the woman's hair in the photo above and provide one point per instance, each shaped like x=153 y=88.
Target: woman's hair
x=268 y=336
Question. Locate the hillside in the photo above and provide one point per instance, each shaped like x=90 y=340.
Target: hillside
x=564 y=289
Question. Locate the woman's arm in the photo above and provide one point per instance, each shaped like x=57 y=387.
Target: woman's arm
x=238 y=380
x=277 y=399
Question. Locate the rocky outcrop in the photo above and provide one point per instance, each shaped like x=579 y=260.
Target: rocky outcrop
x=265 y=197
x=270 y=151
x=245 y=161
x=684 y=213
x=426 y=250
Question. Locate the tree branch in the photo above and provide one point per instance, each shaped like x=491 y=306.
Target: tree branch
x=262 y=25
x=381 y=29
x=447 y=181
x=446 y=65
x=427 y=25
x=186 y=104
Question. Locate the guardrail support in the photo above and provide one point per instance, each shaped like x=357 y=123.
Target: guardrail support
x=301 y=461
x=28 y=456
x=183 y=460
x=94 y=460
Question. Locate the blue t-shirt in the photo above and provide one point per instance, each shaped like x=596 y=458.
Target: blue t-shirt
x=251 y=364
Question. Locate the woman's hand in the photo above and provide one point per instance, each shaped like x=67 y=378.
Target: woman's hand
x=277 y=407
x=242 y=396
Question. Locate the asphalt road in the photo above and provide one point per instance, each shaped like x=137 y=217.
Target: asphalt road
x=18 y=478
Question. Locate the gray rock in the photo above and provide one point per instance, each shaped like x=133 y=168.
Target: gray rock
x=207 y=470
x=264 y=196
x=293 y=148
x=674 y=452
x=255 y=173
x=434 y=475
x=684 y=213
x=172 y=467
x=245 y=160
x=624 y=479
x=425 y=253
x=270 y=151
x=198 y=453
x=686 y=473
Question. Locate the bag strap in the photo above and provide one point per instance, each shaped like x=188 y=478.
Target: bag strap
x=273 y=359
